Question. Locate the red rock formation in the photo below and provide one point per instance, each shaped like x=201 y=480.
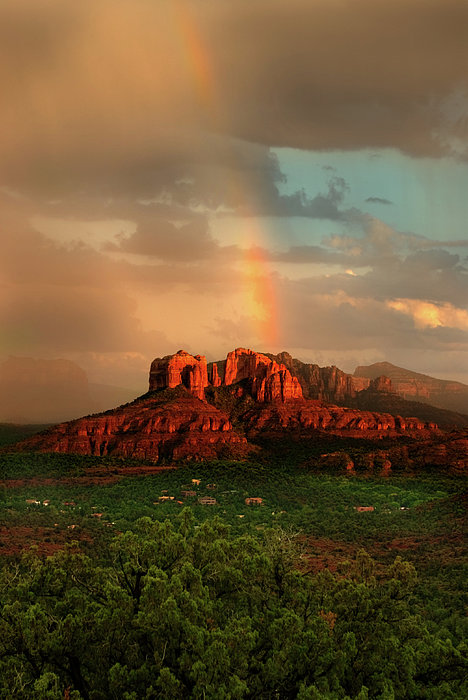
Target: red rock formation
x=185 y=424
x=181 y=368
x=449 y=453
x=146 y=429
x=324 y=383
x=270 y=381
x=312 y=415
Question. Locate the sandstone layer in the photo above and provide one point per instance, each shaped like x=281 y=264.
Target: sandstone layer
x=147 y=429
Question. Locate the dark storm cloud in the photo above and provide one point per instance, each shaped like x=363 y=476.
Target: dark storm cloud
x=114 y=95
x=324 y=75
x=378 y=200
x=164 y=240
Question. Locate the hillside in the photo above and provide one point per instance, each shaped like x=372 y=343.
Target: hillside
x=414 y=386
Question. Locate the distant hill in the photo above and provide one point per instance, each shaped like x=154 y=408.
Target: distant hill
x=51 y=391
x=413 y=386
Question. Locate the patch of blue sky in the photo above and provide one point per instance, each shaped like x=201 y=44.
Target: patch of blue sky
x=428 y=196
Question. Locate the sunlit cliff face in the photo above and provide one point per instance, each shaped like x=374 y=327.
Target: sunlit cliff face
x=211 y=175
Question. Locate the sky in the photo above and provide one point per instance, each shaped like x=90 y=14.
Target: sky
x=209 y=174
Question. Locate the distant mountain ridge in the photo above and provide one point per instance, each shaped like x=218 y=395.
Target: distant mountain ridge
x=413 y=386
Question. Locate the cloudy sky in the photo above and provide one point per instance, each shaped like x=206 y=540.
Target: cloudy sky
x=207 y=174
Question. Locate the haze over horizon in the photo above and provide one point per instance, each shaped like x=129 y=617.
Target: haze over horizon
x=208 y=175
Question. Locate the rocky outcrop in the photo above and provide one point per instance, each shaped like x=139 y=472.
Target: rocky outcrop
x=265 y=379
x=323 y=383
x=308 y=415
x=449 y=453
x=215 y=379
x=181 y=368
x=268 y=380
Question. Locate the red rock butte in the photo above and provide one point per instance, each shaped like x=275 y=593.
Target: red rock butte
x=181 y=368
x=270 y=381
x=218 y=409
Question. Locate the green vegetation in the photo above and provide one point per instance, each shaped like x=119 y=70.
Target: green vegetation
x=145 y=598
x=185 y=611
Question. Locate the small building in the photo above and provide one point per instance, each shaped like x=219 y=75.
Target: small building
x=207 y=501
x=97 y=515
x=196 y=482
x=253 y=501
x=188 y=493
x=364 y=509
x=46 y=502
x=33 y=502
x=166 y=498
x=212 y=487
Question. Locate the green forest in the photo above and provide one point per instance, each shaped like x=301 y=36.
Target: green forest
x=116 y=584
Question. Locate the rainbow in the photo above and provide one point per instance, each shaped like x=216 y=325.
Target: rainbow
x=257 y=281
x=197 y=59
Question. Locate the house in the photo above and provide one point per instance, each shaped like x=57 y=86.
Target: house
x=254 y=501
x=363 y=509
x=46 y=503
x=212 y=487
x=188 y=493
x=166 y=498
x=196 y=482
x=97 y=515
x=207 y=501
x=33 y=502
